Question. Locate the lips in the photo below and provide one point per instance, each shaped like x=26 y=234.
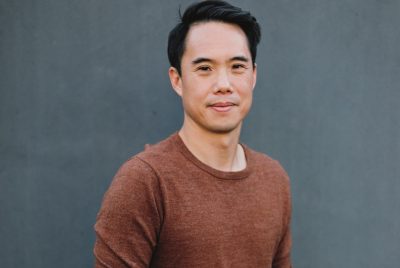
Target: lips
x=222 y=106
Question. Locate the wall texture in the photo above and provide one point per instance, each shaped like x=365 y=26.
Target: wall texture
x=83 y=86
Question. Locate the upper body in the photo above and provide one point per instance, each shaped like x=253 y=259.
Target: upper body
x=168 y=207
x=165 y=208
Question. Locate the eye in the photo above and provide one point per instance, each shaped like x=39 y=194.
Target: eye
x=239 y=66
x=204 y=68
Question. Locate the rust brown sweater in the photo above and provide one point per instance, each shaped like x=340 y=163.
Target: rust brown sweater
x=165 y=208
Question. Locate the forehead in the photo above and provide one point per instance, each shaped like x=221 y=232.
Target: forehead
x=216 y=39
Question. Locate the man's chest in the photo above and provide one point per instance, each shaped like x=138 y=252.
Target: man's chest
x=220 y=218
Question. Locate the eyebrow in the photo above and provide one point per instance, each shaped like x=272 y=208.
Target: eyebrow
x=236 y=58
x=200 y=60
x=240 y=58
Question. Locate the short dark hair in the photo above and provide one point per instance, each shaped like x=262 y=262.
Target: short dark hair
x=211 y=10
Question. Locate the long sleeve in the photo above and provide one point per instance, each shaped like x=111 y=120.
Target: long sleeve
x=282 y=257
x=129 y=220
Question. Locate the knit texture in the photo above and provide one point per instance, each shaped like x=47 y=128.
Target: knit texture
x=165 y=208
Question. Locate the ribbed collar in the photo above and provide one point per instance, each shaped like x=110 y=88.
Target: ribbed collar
x=227 y=175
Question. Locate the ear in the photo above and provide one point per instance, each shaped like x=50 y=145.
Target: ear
x=176 y=80
x=254 y=75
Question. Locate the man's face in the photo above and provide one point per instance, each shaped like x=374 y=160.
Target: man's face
x=217 y=77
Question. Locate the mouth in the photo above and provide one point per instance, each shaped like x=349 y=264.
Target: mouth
x=223 y=106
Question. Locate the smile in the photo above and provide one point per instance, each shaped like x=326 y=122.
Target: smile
x=222 y=106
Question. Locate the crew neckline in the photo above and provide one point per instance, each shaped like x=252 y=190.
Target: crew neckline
x=227 y=175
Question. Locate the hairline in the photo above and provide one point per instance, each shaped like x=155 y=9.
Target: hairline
x=204 y=21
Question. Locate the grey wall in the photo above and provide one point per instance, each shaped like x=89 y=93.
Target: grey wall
x=83 y=86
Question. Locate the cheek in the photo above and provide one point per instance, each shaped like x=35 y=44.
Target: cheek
x=192 y=99
x=245 y=91
x=245 y=88
x=196 y=90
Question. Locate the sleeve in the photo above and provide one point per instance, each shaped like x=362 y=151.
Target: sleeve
x=282 y=257
x=130 y=217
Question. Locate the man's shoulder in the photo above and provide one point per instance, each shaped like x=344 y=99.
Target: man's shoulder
x=154 y=155
x=266 y=164
x=160 y=152
x=260 y=158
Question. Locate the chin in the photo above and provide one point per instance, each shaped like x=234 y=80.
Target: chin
x=223 y=129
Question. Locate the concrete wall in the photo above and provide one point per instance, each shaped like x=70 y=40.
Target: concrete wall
x=84 y=85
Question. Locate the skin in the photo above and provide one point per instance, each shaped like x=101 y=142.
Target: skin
x=216 y=86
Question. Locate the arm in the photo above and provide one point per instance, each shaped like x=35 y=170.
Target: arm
x=129 y=220
x=282 y=255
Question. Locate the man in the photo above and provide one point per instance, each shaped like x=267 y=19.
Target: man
x=200 y=198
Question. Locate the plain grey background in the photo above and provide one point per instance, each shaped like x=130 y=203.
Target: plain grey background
x=84 y=85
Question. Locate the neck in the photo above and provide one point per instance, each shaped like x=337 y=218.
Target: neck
x=221 y=151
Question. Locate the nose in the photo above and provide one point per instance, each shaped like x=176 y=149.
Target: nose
x=223 y=84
